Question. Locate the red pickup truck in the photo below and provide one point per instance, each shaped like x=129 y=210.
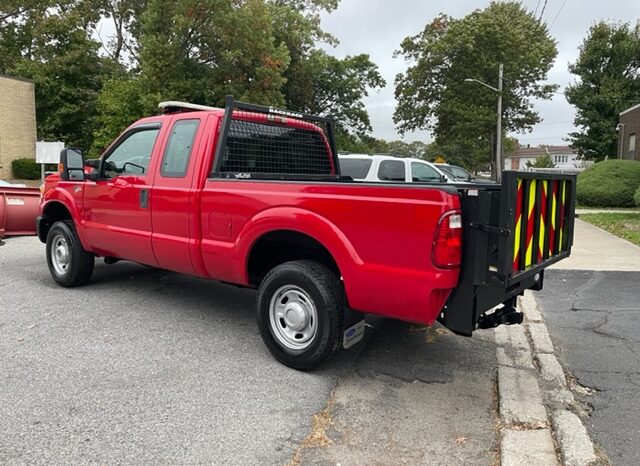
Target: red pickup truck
x=253 y=196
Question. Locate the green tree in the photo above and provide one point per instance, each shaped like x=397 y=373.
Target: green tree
x=49 y=42
x=317 y=82
x=432 y=94
x=335 y=87
x=544 y=161
x=184 y=52
x=608 y=72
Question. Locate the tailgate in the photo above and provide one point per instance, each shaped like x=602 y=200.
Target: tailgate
x=511 y=234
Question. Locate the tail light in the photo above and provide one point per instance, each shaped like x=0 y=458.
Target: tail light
x=447 y=242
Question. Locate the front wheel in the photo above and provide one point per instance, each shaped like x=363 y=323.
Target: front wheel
x=300 y=311
x=69 y=264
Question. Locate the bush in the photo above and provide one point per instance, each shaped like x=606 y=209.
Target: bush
x=636 y=197
x=611 y=183
x=25 y=169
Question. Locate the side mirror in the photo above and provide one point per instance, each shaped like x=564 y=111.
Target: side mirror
x=443 y=178
x=72 y=164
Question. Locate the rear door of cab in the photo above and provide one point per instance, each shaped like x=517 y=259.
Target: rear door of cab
x=173 y=211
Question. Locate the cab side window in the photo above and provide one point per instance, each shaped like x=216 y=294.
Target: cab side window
x=421 y=172
x=391 y=170
x=132 y=155
x=178 y=151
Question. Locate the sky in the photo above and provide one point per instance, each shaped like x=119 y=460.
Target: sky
x=377 y=27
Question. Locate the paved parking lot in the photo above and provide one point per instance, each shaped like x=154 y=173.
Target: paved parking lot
x=147 y=366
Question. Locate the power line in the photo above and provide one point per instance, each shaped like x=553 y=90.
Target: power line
x=542 y=12
x=535 y=12
x=557 y=14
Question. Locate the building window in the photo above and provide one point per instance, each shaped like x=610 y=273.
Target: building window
x=632 y=145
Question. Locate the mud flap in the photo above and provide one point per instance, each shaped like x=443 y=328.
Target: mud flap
x=354 y=328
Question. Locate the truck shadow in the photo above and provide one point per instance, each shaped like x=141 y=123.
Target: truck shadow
x=184 y=294
x=416 y=353
x=392 y=348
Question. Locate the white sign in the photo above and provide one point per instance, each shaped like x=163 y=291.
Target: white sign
x=48 y=152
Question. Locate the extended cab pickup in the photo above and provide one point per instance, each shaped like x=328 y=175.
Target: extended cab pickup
x=253 y=196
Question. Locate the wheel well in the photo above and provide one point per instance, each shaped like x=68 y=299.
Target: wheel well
x=53 y=212
x=281 y=246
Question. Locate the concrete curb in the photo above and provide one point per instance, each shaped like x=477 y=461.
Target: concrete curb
x=530 y=395
x=575 y=444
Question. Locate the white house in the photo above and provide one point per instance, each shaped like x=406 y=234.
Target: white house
x=564 y=157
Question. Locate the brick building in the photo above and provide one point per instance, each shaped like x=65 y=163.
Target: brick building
x=628 y=128
x=17 y=122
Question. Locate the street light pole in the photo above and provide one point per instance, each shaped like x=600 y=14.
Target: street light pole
x=499 y=130
x=498 y=159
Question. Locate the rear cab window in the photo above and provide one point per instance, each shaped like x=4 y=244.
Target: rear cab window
x=254 y=148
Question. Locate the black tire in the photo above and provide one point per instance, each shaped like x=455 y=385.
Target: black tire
x=79 y=263
x=327 y=295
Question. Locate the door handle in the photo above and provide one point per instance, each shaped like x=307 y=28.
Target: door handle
x=144 y=198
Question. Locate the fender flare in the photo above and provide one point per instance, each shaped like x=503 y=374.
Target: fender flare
x=63 y=197
x=302 y=221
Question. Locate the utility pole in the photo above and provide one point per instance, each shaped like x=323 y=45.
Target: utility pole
x=499 y=130
x=498 y=156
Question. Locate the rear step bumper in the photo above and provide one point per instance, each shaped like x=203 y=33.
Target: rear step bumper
x=505 y=315
x=512 y=233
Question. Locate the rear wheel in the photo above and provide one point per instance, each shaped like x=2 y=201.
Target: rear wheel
x=69 y=264
x=300 y=311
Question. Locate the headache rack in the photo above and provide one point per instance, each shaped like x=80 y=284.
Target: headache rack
x=511 y=234
x=278 y=147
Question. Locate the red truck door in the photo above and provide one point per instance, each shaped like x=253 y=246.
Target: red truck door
x=172 y=213
x=117 y=210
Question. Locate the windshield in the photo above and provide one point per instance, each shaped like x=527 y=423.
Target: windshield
x=460 y=173
x=455 y=172
x=446 y=170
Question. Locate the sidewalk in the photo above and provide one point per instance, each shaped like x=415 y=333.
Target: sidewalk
x=589 y=210
x=596 y=249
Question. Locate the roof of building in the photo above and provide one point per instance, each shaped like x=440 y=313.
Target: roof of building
x=630 y=109
x=533 y=152
x=16 y=78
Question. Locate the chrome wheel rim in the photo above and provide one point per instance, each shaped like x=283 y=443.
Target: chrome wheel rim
x=293 y=317
x=60 y=254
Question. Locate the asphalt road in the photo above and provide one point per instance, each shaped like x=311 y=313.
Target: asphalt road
x=594 y=321
x=145 y=366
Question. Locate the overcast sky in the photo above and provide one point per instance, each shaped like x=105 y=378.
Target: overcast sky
x=377 y=27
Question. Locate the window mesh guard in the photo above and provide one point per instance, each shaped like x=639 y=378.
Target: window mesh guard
x=262 y=148
x=284 y=145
